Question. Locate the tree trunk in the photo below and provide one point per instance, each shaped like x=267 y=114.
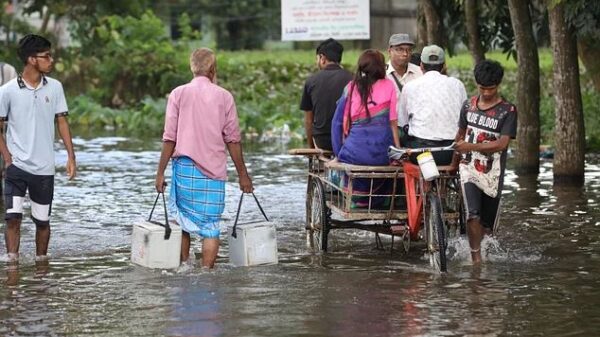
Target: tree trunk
x=433 y=23
x=569 y=154
x=589 y=52
x=421 y=27
x=471 y=16
x=528 y=89
x=45 y=20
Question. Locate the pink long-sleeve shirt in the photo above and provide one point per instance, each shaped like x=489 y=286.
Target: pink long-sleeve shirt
x=201 y=118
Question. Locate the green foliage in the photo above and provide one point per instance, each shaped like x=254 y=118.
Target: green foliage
x=135 y=60
x=185 y=28
x=83 y=16
x=11 y=27
x=495 y=27
x=584 y=15
x=591 y=107
x=146 y=117
x=267 y=87
x=267 y=91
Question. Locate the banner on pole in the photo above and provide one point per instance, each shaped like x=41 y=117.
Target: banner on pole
x=314 y=20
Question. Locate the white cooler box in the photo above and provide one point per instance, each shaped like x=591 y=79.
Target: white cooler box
x=255 y=244
x=149 y=247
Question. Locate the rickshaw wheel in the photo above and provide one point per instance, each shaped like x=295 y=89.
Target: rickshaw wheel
x=436 y=239
x=308 y=203
x=317 y=217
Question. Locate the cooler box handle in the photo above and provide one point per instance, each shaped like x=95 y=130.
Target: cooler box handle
x=237 y=215
x=166 y=224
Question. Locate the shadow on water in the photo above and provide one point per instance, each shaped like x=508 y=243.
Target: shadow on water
x=540 y=279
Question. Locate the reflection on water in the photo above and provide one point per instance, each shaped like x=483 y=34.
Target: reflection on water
x=541 y=278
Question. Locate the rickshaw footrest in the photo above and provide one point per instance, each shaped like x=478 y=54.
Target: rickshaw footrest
x=396 y=230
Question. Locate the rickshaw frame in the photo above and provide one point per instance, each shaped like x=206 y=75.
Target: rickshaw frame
x=412 y=210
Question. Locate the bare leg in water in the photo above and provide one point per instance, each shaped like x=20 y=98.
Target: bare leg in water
x=185 y=246
x=42 y=237
x=475 y=232
x=210 y=248
x=12 y=238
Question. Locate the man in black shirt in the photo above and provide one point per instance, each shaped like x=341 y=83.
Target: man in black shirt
x=321 y=92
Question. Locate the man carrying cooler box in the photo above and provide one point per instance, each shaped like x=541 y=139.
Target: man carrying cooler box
x=201 y=123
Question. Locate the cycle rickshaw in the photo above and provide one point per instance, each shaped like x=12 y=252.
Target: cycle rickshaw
x=410 y=207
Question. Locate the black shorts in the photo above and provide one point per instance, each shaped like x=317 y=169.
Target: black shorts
x=481 y=206
x=41 y=191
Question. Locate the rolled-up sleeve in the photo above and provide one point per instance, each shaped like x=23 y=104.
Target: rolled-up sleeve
x=231 y=128
x=171 y=117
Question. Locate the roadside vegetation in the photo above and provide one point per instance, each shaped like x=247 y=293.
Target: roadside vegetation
x=267 y=86
x=121 y=69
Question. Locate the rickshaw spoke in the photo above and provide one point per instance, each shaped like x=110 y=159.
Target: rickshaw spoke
x=436 y=238
x=318 y=217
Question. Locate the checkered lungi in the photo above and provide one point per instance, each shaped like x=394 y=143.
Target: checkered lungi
x=196 y=201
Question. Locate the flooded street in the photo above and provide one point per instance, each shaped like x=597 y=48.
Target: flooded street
x=541 y=278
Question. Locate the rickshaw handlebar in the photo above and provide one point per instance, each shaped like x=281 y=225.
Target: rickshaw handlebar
x=402 y=153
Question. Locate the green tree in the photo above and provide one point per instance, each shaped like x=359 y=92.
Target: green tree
x=12 y=26
x=584 y=16
x=136 y=59
x=238 y=24
x=83 y=15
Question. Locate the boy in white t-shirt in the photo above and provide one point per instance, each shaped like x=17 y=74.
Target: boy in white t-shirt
x=31 y=104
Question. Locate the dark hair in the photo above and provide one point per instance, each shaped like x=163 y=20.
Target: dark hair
x=371 y=68
x=433 y=67
x=415 y=58
x=331 y=49
x=32 y=44
x=488 y=73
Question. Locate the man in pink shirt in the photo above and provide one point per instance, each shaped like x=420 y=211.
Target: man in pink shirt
x=200 y=125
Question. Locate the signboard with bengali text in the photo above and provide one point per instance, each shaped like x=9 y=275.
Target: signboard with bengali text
x=314 y=20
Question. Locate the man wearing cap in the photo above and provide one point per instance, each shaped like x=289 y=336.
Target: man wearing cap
x=430 y=105
x=399 y=69
x=321 y=92
x=32 y=105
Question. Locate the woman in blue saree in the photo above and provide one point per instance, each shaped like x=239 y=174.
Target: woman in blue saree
x=365 y=121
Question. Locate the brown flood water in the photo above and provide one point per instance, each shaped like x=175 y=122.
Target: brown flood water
x=540 y=279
